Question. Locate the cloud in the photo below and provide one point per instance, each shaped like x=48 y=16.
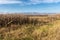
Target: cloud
x=44 y=1
x=10 y=2
x=27 y=2
x=50 y=1
x=34 y=2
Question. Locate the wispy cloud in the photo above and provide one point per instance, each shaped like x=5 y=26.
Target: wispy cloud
x=50 y=1
x=9 y=2
x=27 y=2
x=44 y=1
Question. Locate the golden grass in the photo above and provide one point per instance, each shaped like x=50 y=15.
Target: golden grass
x=49 y=31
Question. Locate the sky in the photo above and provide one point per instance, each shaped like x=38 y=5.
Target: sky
x=42 y=6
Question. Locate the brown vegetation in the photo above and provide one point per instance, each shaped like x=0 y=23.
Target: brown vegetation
x=28 y=27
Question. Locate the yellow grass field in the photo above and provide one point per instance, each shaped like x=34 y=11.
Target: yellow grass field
x=36 y=28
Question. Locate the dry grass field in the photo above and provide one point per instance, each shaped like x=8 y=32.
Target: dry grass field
x=29 y=27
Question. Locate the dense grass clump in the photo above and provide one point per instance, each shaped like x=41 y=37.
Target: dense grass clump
x=8 y=19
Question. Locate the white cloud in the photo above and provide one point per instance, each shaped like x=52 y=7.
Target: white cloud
x=35 y=1
x=23 y=2
x=50 y=1
x=44 y=1
x=9 y=2
x=40 y=1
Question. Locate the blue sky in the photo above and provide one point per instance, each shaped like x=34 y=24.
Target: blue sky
x=42 y=6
